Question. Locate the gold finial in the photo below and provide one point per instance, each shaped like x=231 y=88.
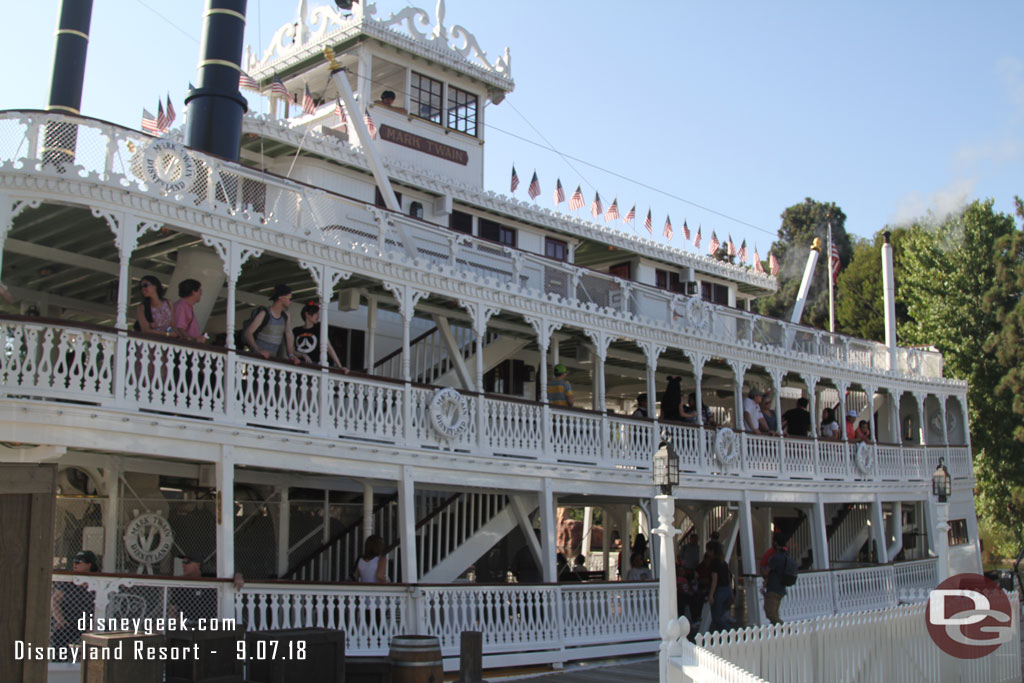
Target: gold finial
x=816 y=245
x=329 y=56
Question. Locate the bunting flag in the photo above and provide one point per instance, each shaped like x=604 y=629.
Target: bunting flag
x=534 y=188
x=758 y=266
x=631 y=216
x=370 y=125
x=742 y=253
x=171 y=114
x=648 y=224
x=278 y=88
x=773 y=263
x=667 y=230
x=596 y=207
x=339 y=111
x=613 y=211
x=247 y=82
x=714 y=244
x=835 y=263
x=161 y=117
x=149 y=123
x=732 y=247
x=696 y=239
x=559 y=195
x=686 y=231
x=308 y=103
x=576 y=200
x=515 y=179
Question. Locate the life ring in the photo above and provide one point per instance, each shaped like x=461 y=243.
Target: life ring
x=864 y=457
x=913 y=360
x=727 y=447
x=168 y=166
x=449 y=413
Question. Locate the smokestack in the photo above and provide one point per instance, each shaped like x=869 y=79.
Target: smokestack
x=805 y=284
x=215 y=108
x=69 y=52
x=889 y=291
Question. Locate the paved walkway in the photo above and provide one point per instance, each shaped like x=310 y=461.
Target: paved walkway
x=636 y=671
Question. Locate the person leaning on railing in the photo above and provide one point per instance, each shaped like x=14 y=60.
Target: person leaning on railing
x=307 y=338
x=154 y=315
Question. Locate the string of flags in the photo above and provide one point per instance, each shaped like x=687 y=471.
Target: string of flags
x=740 y=254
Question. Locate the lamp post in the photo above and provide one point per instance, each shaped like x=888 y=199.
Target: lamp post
x=666 y=476
x=942 y=488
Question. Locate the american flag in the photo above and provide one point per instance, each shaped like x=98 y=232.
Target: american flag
x=534 y=188
x=308 y=103
x=149 y=123
x=368 y=120
x=576 y=200
x=686 y=231
x=559 y=195
x=161 y=117
x=247 y=82
x=696 y=239
x=631 y=215
x=732 y=247
x=613 y=210
x=667 y=230
x=515 y=179
x=278 y=89
x=596 y=207
x=835 y=263
x=773 y=263
x=648 y=223
x=339 y=111
x=714 y=244
x=171 y=114
x=742 y=253
x=758 y=266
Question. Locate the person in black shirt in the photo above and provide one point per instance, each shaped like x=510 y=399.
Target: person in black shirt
x=720 y=593
x=307 y=338
x=797 y=421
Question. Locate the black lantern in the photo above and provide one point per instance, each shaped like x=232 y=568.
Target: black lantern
x=666 y=468
x=942 y=483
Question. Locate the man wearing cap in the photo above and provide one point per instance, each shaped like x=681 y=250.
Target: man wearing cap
x=752 y=415
x=272 y=325
x=559 y=389
x=71 y=601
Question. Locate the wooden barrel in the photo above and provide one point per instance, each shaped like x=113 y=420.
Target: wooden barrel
x=416 y=659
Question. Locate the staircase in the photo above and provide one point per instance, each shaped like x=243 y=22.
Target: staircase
x=847 y=530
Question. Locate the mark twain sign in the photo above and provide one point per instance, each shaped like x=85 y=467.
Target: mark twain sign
x=422 y=144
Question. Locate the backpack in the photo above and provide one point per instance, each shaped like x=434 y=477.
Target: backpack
x=240 y=342
x=789 y=571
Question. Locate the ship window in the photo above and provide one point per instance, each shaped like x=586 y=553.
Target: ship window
x=958 y=532
x=416 y=210
x=664 y=279
x=461 y=110
x=378 y=198
x=556 y=249
x=715 y=293
x=425 y=97
x=496 y=232
x=461 y=222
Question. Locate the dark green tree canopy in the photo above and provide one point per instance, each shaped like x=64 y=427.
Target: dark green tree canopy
x=860 y=305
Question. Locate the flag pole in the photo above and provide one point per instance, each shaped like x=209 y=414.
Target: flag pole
x=831 y=286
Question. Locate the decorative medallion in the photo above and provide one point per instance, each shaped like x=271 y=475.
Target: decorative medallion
x=168 y=166
x=148 y=540
x=864 y=457
x=449 y=413
x=727 y=447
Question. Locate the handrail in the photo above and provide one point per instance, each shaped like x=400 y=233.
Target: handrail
x=398 y=351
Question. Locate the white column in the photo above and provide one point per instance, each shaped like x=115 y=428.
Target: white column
x=878 y=530
x=111 y=513
x=224 y=471
x=841 y=389
x=606 y=542
x=941 y=516
x=819 y=533
x=371 y=334
x=588 y=527
x=896 y=546
x=284 y=517
x=367 y=509
x=667 y=607
x=739 y=370
x=922 y=422
x=407 y=525
x=749 y=561
x=548 y=519
x=625 y=537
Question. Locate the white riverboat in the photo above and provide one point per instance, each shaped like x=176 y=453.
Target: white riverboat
x=449 y=305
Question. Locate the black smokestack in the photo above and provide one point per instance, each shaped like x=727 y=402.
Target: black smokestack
x=69 y=53
x=215 y=108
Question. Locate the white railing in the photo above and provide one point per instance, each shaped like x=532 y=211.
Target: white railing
x=113 y=155
x=610 y=612
x=890 y=644
x=53 y=360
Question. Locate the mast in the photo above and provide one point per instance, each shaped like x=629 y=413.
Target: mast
x=831 y=286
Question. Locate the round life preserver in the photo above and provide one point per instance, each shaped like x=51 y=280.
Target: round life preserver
x=168 y=166
x=864 y=457
x=727 y=446
x=449 y=413
x=913 y=360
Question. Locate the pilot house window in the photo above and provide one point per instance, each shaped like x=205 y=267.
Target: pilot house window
x=426 y=97
x=461 y=110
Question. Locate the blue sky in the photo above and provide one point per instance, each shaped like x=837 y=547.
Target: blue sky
x=732 y=112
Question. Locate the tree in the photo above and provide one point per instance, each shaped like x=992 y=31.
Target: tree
x=801 y=223
x=948 y=270
x=860 y=301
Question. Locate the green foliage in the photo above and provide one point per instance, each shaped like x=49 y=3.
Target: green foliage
x=948 y=270
x=801 y=223
x=860 y=307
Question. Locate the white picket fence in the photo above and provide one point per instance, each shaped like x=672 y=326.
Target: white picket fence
x=881 y=645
